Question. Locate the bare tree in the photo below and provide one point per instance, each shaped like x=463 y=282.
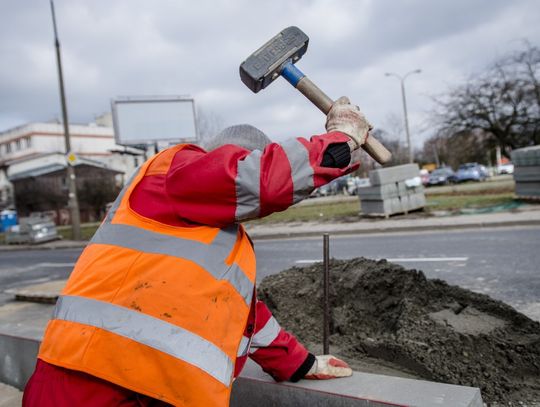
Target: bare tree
x=456 y=148
x=208 y=123
x=503 y=102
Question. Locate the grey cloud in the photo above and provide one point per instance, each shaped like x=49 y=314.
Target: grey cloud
x=138 y=47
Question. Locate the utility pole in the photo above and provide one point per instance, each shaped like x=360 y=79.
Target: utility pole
x=73 y=202
x=404 y=100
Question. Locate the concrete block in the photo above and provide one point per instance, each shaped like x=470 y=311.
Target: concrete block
x=21 y=329
x=413 y=202
x=527 y=188
x=379 y=192
x=398 y=173
x=256 y=388
x=387 y=191
x=381 y=207
x=405 y=190
x=528 y=156
x=18 y=356
x=527 y=174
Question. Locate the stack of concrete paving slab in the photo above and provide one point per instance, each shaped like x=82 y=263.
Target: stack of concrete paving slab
x=527 y=172
x=393 y=190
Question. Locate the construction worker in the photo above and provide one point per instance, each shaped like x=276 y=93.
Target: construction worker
x=160 y=308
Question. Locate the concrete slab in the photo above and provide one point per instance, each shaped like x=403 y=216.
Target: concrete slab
x=379 y=192
x=526 y=156
x=381 y=207
x=10 y=396
x=21 y=329
x=527 y=188
x=256 y=388
x=397 y=173
x=45 y=292
x=527 y=174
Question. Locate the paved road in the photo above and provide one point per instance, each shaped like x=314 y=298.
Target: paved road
x=501 y=262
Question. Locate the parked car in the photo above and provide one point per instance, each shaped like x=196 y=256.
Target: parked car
x=353 y=183
x=442 y=176
x=507 y=168
x=471 y=172
x=32 y=231
x=424 y=176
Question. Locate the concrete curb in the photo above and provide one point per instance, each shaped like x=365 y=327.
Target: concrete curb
x=420 y=228
x=256 y=388
x=44 y=246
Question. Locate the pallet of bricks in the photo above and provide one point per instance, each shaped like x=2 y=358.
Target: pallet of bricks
x=393 y=190
x=527 y=172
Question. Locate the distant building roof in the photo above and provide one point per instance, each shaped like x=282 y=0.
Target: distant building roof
x=54 y=167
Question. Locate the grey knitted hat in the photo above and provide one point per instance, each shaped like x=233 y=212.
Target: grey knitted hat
x=243 y=135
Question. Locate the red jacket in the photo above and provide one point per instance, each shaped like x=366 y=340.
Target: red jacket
x=212 y=188
x=219 y=188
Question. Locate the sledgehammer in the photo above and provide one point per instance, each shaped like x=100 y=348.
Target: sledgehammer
x=277 y=58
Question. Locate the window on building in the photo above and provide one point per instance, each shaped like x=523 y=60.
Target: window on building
x=136 y=161
x=28 y=142
x=18 y=144
x=8 y=147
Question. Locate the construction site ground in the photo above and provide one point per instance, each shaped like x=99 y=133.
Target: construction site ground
x=376 y=354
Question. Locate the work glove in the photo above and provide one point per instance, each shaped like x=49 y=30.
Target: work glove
x=348 y=119
x=328 y=367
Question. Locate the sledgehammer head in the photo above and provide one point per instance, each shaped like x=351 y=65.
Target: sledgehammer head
x=262 y=67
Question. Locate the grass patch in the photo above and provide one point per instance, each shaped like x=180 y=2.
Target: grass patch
x=87 y=231
x=314 y=212
x=349 y=209
x=468 y=201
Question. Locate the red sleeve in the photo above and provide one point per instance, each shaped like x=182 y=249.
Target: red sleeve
x=278 y=352
x=232 y=184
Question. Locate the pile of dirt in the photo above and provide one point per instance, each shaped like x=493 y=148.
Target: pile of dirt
x=425 y=327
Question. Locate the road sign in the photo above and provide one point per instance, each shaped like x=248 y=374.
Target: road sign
x=71 y=158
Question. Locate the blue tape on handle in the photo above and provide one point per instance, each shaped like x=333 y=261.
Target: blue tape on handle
x=291 y=73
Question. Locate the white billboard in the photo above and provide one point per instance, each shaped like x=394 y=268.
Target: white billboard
x=148 y=120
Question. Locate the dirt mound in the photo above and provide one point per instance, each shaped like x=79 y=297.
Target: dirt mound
x=436 y=331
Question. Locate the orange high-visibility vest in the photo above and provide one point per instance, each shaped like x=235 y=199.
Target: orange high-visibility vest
x=155 y=308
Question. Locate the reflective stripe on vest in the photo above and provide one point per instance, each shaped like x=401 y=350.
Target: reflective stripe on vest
x=150 y=331
x=210 y=257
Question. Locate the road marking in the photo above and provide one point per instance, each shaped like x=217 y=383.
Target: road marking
x=38 y=266
x=428 y=259
x=402 y=260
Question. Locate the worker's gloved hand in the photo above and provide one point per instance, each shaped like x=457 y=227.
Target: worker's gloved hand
x=328 y=367
x=348 y=119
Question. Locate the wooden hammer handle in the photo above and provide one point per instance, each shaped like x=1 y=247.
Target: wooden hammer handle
x=320 y=99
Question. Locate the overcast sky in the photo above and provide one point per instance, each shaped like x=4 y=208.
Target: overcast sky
x=138 y=47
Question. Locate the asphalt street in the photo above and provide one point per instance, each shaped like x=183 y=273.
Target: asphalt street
x=501 y=262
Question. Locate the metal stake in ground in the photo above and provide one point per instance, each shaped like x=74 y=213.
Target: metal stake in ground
x=326 y=301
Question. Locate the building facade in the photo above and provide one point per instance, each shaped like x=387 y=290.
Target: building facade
x=22 y=145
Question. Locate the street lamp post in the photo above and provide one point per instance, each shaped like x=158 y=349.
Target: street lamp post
x=73 y=202
x=404 y=100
